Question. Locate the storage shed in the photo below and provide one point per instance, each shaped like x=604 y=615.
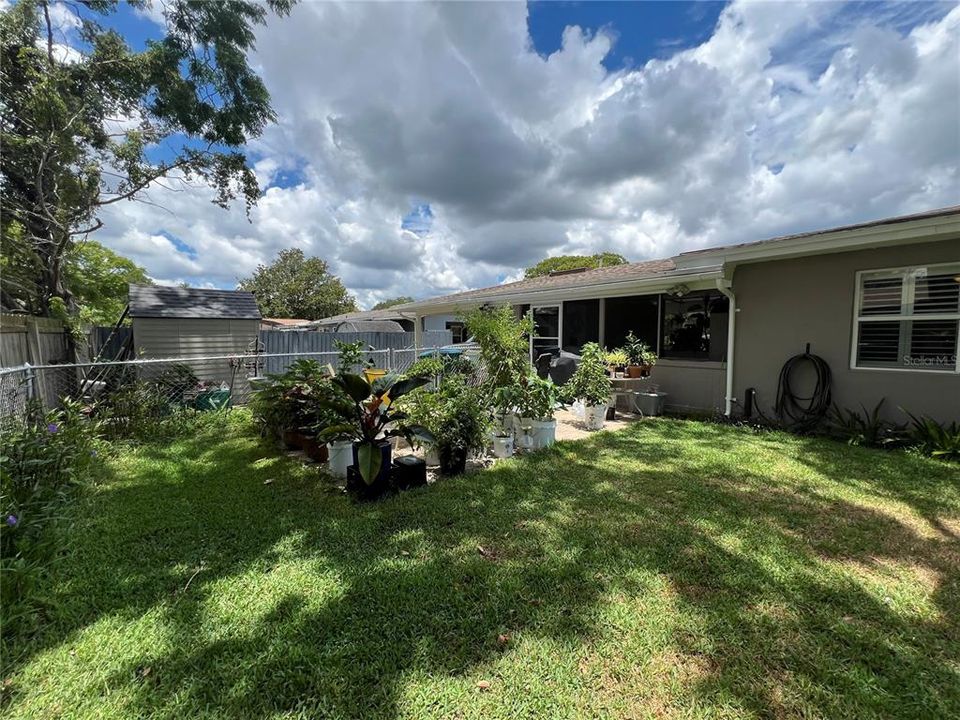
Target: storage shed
x=175 y=322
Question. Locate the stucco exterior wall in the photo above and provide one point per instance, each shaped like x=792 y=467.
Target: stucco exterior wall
x=691 y=385
x=438 y=322
x=785 y=304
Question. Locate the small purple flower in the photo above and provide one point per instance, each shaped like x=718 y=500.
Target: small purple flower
x=12 y=520
x=53 y=428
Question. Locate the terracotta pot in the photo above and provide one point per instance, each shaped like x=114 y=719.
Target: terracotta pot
x=645 y=370
x=634 y=371
x=292 y=439
x=315 y=450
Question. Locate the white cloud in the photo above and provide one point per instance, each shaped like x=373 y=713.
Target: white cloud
x=789 y=117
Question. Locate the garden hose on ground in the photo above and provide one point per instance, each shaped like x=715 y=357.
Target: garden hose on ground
x=803 y=413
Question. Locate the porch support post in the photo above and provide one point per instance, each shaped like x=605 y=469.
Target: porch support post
x=418 y=331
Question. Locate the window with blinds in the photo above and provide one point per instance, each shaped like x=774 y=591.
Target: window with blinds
x=908 y=319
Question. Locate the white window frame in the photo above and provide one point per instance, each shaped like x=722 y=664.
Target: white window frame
x=909 y=273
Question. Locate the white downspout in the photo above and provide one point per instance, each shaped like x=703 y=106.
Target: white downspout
x=725 y=286
x=418 y=331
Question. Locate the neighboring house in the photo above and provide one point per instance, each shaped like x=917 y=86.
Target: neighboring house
x=171 y=322
x=879 y=302
x=388 y=320
x=282 y=323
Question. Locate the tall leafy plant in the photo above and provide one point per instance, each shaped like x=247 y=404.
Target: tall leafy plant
x=590 y=383
x=504 y=344
x=368 y=416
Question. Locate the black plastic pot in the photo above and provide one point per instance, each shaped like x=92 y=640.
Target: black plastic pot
x=409 y=472
x=453 y=460
x=361 y=491
x=385 y=454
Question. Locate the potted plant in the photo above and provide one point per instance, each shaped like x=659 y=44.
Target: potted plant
x=462 y=424
x=635 y=350
x=539 y=398
x=368 y=416
x=649 y=360
x=591 y=385
x=616 y=361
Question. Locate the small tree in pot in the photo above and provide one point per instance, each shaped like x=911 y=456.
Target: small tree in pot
x=591 y=385
x=462 y=424
x=539 y=398
x=368 y=417
x=638 y=352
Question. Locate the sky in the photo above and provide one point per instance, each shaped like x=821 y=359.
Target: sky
x=423 y=149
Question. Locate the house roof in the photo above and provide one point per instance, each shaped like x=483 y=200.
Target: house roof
x=284 y=322
x=163 y=301
x=648 y=269
x=707 y=263
x=365 y=316
x=788 y=239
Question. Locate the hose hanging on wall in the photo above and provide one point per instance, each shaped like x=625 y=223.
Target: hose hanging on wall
x=803 y=413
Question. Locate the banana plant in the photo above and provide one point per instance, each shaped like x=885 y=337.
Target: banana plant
x=368 y=417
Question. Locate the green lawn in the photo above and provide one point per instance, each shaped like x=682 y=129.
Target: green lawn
x=674 y=569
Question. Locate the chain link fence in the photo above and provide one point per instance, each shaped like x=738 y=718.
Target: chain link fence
x=201 y=383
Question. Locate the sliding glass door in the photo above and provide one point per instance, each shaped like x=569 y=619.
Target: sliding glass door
x=546 y=331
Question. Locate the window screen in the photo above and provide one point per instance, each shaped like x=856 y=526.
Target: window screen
x=908 y=318
x=694 y=326
x=581 y=324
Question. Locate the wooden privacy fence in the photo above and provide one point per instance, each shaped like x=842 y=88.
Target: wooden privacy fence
x=295 y=342
x=30 y=339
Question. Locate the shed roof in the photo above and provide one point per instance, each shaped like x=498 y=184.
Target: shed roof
x=163 y=301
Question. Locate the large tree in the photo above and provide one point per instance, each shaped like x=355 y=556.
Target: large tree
x=98 y=278
x=573 y=262
x=97 y=122
x=295 y=286
x=391 y=302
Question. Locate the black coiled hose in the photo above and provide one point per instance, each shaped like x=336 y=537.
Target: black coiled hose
x=803 y=413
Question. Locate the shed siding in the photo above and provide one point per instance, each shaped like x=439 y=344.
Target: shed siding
x=786 y=304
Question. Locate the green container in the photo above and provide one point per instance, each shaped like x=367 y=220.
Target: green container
x=212 y=400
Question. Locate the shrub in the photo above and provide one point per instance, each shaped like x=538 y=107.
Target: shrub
x=538 y=398
x=43 y=460
x=866 y=428
x=590 y=383
x=934 y=439
x=456 y=415
x=504 y=344
x=296 y=400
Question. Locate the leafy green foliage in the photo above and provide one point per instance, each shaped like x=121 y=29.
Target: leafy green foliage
x=391 y=302
x=934 y=439
x=864 y=428
x=456 y=414
x=295 y=286
x=504 y=344
x=98 y=279
x=538 y=397
x=590 y=383
x=296 y=400
x=616 y=357
x=349 y=355
x=79 y=131
x=637 y=351
x=42 y=461
x=561 y=263
x=370 y=415
x=439 y=367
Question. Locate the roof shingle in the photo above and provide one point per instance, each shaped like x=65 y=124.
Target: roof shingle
x=162 y=301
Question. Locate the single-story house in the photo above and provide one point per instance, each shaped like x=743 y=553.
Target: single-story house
x=879 y=302
x=283 y=323
x=388 y=320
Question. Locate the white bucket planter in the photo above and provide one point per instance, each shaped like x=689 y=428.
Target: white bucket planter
x=543 y=432
x=594 y=416
x=503 y=446
x=341 y=457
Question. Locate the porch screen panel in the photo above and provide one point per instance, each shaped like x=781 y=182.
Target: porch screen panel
x=908 y=319
x=637 y=313
x=581 y=324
